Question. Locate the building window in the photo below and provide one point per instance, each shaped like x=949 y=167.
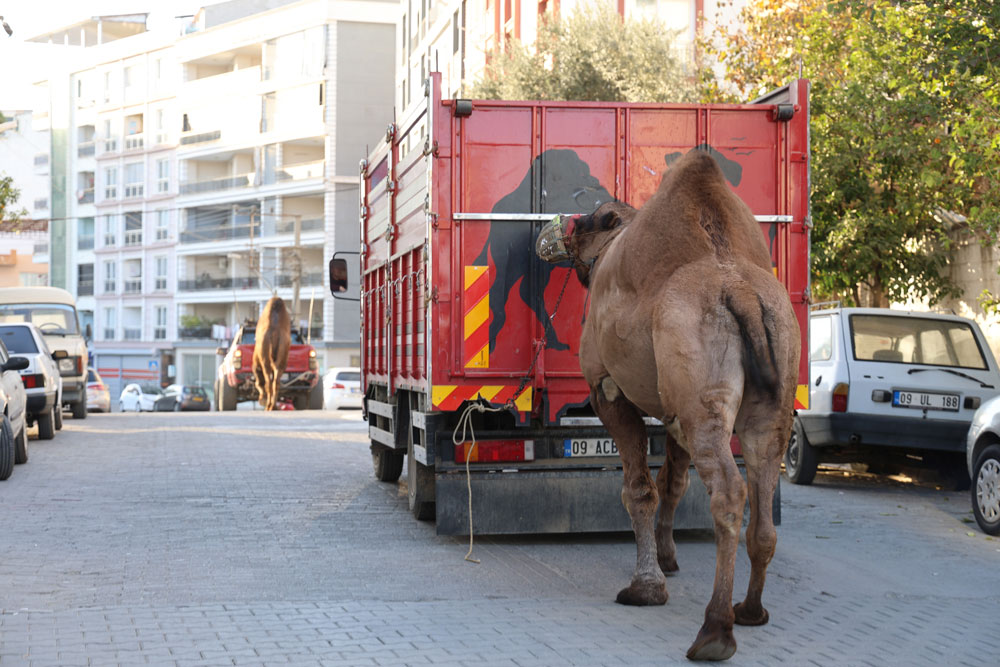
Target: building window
x=133 y=228
x=162 y=231
x=133 y=276
x=160 y=332
x=110 y=231
x=107 y=86
x=133 y=180
x=161 y=272
x=109 y=324
x=110 y=278
x=111 y=182
x=85 y=237
x=163 y=175
x=85 y=279
x=110 y=140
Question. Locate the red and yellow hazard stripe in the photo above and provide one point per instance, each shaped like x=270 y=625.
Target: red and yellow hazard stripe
x=451 y=397
x=802 y=397
x=476 y=329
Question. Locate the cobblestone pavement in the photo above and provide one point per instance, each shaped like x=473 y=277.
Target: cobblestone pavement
x=263 y=538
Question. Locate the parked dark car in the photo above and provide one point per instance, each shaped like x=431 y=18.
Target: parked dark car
x=188 y=398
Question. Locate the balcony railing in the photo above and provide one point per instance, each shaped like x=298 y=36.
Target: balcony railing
x=298 y=172
x=85 y=242
x=288 y=226
x=195 y=332
x=85 y=287
x=85 y=196
x=134 y=190
x=217 y=184
x=109 y=334
x=308 y=280
x=132 y=333
x=133 y=286
x=111 y=192
x=209 y=283
x=85 y=149
x=218 y=233
x=134 y=142
x=188 y=138
x=111 y=145
x=110 y=240
x=110 y=286
x=133 y=237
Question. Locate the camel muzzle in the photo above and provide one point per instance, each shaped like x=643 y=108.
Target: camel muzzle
x=551 y=245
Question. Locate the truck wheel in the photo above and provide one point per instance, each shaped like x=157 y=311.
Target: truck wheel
x=986 y=490
x=47 y=425
x=300 y=401
x=420 y=481
x=21 y=446
x=80 y=408
x=58 y=415
x=316 y=397
x=388 y=463
x=6 y=449
x=801 y=458
x=227 y=400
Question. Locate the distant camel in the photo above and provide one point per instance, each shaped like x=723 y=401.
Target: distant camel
x=687 y=323
x=273 y=337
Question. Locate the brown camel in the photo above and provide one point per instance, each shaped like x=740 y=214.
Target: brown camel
x=687 y=323
x=270 y=351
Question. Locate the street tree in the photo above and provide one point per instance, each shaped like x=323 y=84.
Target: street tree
x=9 y=193
x=905 y=130
x=592 y=54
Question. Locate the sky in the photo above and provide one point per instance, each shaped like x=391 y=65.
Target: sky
x=24 y=63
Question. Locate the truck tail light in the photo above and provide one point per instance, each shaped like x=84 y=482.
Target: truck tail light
x=32 y=380
x=496 y=451
x=840 y=397
x=79 y=365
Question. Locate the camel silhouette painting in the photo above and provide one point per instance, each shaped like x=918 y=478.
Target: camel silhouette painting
x=272 y=339
x=687 y=323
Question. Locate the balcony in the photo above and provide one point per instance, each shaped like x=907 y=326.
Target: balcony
x=209 y=283
x=85 y=242
x=134 y=190
x=132 y=333
x=218 y=233
x=85 y=196
x=298 y=172
x=218 y=184
x=133 y=237
x=188 y=333
x=133 y=286
x=134 y=142
x=86 y=149
x=189 y=138
x=85 y=288
x=288 y=226
x=308 y=280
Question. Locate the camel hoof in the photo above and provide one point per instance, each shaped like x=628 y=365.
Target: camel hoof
x=718 y=645
x=668 y=565
x=750 y=616
x=643 y=595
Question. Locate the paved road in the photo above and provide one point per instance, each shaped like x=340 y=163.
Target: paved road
x=262 y=538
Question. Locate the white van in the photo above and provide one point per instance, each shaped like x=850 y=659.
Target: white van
x=889 y=384
x=53 y=311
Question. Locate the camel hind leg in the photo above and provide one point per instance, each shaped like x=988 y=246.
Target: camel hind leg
x=275 y=386
x=671 y=483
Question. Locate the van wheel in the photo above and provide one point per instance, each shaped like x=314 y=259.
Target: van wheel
x=388 y=463
x=80 y=408
x=46 y=425
x=801 y=458
x=21 y=446
x=6 y=448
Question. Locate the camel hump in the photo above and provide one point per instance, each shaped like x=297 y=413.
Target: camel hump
x=755 y=321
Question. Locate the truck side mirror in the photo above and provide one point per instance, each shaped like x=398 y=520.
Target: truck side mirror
x=60 y=354
x=338 y=276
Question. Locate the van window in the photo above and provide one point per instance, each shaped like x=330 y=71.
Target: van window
x=820 y=338
x=915 y=340
x=50 y=318
x=18 y=340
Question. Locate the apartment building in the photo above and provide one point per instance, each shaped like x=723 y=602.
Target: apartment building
x=206 y=168
x=24 y=157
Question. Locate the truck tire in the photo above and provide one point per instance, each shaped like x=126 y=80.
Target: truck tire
x=47 y=425
x=316 y=397
x=420 y=482
x=21 y=446
x=6 y=448
x=227 y=396
x=300 y=401
x=801 y=458
x=80 y=408
x=388 y=463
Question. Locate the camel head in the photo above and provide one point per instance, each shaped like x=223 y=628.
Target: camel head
x=581 y=238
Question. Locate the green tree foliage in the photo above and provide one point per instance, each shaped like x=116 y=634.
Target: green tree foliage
x=905 y=129
x=8 y=200
x=591 y=55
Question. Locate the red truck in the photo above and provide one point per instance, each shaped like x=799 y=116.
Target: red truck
x=456 y=307
x=235 y=382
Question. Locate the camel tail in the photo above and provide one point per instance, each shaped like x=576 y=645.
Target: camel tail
x=753 y=318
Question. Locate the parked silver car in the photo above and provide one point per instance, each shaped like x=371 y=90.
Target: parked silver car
x=13 y=408
x=982 y=455
x=42 y=380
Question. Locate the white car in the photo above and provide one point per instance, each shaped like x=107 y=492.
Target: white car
x=890 y=388
x=98 y=396
x=13 y=413
x=42 y=380
x=982 y=457
x=342 y=388
x=143 y=398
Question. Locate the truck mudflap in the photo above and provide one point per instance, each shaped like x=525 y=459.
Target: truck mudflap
x=558 y=501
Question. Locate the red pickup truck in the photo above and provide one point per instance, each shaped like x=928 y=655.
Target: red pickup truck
x=235 y=382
